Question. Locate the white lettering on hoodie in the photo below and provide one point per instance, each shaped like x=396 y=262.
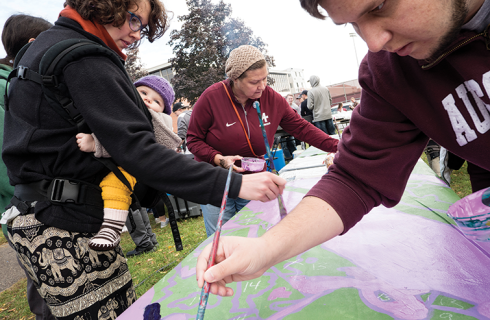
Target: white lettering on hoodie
x=462 y=130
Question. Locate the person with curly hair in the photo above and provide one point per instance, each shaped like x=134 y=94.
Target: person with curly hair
x=51 y=234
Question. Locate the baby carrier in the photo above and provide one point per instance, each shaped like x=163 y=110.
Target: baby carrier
x=50 y=77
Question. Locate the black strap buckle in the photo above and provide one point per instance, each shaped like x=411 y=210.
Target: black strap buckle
x=64 y=191
x=22 y=206
x=21 y=72
x=50 y=81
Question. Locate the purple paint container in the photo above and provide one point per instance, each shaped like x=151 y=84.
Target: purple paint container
x=472 y=215
x=253 y=164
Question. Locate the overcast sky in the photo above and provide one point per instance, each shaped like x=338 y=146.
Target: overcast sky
x=294 y=38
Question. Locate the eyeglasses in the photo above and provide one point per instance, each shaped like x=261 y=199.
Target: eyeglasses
x=135 y=23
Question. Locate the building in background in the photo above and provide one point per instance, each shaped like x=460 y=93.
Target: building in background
x=163 y=70
x=342 y=92
x=286 y=81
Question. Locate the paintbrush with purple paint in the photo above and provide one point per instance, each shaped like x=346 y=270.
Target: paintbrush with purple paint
x=203 y=301
x=282 y=208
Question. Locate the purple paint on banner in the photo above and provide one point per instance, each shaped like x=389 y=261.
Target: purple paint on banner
x=178 y=316
x=433 y=263
x=402 y=303
x=278 y=293
x=171 y=283
x=394 y=259
x=186 y=272
x=143 y=301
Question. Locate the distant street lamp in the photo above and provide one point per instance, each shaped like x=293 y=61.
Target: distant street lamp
x=353 y=35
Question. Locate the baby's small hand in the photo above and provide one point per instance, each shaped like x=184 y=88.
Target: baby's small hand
x=85 y=142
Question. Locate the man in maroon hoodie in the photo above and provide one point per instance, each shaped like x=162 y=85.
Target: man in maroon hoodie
x=425 y=57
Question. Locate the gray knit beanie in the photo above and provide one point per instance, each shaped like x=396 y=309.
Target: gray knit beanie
x=241 y=59
x=162 y=87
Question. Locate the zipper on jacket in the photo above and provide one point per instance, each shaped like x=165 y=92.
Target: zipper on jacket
x=445 y=54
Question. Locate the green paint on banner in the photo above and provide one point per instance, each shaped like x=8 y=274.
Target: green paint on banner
x=261 y=231
x=425 y=297
x=444 y=301
x=297 y=189
x=439 y=314
x=420 y=194
x=243 y=232
x=342 y=304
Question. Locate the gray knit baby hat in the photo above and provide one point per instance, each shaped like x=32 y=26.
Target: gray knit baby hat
x=241 y=59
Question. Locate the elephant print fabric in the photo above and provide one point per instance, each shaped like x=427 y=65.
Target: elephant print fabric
x=76 y=281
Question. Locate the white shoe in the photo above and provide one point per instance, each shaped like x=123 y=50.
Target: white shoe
x=163 y=224
x=124 y=229
x=157 y=220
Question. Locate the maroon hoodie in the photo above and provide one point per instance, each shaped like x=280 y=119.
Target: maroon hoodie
x=214 y=127
x=404 y=102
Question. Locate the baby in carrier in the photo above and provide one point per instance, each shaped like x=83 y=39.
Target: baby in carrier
x=158 y=95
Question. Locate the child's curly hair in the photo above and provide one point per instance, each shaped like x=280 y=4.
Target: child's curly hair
x=114 y=12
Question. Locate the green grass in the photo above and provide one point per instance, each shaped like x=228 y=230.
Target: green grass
x=460 y=180
x=145 y=268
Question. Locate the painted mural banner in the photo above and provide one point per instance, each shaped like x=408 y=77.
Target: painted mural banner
x=406 y=262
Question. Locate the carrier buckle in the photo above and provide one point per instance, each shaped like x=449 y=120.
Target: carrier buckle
x=21 y=72
x=64 y=191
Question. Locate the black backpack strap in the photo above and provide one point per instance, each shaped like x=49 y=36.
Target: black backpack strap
x=50 y=76
x=172 y=221
x=20 y=54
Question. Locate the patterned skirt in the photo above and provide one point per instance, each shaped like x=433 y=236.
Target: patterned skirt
x=75 y=281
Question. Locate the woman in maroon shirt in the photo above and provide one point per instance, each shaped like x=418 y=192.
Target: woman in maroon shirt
x=224 y=126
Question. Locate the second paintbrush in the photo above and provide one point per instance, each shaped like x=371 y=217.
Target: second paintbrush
x=282 y=208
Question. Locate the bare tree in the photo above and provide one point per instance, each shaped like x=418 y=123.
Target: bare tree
x=133 y=65
x=203 y=44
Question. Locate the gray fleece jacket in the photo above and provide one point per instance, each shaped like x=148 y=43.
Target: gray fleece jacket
x=319 y=100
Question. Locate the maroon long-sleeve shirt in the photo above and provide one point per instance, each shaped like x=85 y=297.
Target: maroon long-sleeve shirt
x=403 y=103
x=214 y=127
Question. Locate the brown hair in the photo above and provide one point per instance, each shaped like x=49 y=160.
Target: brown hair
x=114 y=12
x=311 y=6
x=257 y=65
x=17 y=31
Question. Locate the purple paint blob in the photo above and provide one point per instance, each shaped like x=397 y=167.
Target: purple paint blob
x=253 y=164
x=152 y=312
x=472 y=215
x=279 y=293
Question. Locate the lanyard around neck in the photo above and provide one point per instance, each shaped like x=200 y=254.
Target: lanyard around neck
x=241 y=122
